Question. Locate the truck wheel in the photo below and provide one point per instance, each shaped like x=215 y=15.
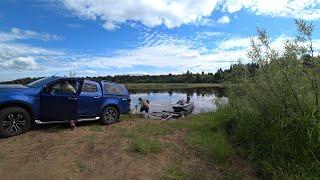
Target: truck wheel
x=14 y=121
x=110 y=115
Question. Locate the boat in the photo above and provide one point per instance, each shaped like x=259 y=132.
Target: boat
x=186 y=108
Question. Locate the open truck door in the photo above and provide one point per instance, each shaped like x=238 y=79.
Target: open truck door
x=59 y=100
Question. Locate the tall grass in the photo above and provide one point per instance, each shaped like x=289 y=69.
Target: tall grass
x=274 y=115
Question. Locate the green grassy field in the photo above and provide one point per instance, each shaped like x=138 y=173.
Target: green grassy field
x=161 y=86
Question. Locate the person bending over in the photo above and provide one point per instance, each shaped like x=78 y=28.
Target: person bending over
x=144 y=105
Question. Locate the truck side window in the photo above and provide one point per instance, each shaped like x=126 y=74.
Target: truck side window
x=89 y=88
x=114 y=89
x=69 y=87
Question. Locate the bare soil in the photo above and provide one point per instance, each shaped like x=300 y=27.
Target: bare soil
x=56 y=152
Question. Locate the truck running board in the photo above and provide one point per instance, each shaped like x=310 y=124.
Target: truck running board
x=57 y=122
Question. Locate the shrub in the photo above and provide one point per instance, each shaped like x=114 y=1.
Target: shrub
x=274 y=114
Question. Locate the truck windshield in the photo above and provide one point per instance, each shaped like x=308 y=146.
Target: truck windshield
x=41 y=82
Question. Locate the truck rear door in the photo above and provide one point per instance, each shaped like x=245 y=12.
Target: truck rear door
x=90 y=99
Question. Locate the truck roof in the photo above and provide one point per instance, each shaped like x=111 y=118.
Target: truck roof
x=54 y=78
x=60 y=77
x=103 y=82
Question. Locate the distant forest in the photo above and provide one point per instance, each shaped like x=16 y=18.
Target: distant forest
x=188 y=77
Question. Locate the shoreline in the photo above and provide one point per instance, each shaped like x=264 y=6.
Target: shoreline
x=163 y=86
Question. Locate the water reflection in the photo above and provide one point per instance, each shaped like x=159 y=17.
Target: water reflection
x=160 y=100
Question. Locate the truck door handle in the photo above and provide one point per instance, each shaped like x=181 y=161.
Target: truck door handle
x=72 y=98
x=96 y=97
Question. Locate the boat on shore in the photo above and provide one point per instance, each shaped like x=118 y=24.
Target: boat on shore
x=181 y=109
x=186 y=108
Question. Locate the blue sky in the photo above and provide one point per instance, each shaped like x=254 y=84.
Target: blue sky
x=107 y=37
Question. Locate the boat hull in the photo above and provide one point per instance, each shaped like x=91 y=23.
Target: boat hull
x=188 y=108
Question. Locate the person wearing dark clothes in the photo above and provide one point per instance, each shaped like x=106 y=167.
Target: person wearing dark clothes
x=144 y=105
x=183 y=101
x=188 y=100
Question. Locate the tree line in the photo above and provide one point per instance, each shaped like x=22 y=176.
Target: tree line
x=188 y=77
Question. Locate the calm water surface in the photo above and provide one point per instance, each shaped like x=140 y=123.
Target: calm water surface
x=204 y=99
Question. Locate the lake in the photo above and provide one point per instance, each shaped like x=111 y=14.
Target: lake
x=162 y=100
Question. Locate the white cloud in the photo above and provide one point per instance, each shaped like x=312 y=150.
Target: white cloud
x=150 y=13
x=20 y=63
x=19 y=34
x=224 y=20
x=234 y=43
x=25 y=57
x=304 y=9
x=168 y=52
x=174 y=13
x=19 y=56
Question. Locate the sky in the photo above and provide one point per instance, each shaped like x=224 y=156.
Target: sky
x=113 y=37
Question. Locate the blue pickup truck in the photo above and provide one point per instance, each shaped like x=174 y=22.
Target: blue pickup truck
x=59 y=99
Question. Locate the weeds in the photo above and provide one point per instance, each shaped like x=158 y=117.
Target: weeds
x=143 y=137
x=145 y=145
x=96 y=128
x=130 y=117
x=81 y=166
x=175 y=172
x=154 y=129
x=274 y=114
x=88 y=139
x=207 y=136
x=182 y=168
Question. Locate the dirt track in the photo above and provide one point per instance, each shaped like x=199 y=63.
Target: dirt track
x=89 y=152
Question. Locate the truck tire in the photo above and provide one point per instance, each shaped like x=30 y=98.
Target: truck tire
x=14 y=121
x=109 y=115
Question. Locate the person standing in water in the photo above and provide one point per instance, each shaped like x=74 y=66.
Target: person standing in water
x=144 y=105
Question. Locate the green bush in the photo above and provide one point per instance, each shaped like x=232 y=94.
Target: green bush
x=274 y=114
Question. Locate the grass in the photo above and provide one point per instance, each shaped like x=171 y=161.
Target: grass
x=145 y=145
x=130 y=117
x=211 y=146
x=144 y=137
x=176 y=172
x=182 y=168
x=81 y=166
x=88 y=139
x=206 y=135
x=96 y=128
x=165 y=86
x=154 y=129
